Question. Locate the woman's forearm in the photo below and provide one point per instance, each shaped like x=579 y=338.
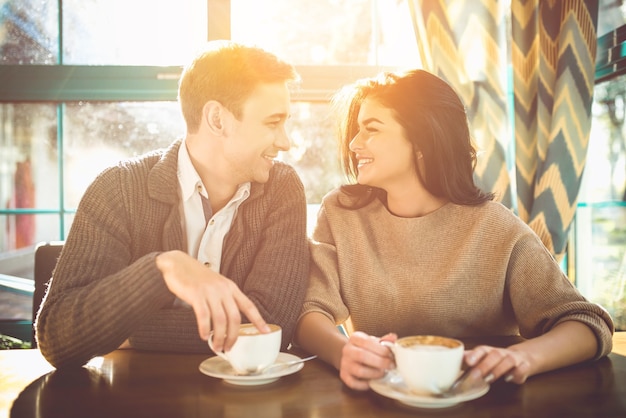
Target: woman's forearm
x=568 y=343
x=318 y=335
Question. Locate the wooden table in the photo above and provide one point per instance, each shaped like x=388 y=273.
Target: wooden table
x=134 y=383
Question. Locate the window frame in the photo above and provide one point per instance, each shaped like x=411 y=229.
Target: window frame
x=60 y=84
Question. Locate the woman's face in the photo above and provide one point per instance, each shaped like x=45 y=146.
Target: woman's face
x=384 y=154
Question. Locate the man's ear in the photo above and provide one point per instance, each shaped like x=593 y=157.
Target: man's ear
x=213 y=114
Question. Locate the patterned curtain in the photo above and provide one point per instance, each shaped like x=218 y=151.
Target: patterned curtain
x=553 y=55
x=552 y=46
x=464 y=43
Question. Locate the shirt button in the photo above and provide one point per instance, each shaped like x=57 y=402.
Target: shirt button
x=206 y=263
x=212 y=221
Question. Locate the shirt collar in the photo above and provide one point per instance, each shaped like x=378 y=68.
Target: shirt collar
x=242 y=193
x=188 y=177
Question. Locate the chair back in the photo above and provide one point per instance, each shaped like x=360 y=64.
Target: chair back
x=46 y=256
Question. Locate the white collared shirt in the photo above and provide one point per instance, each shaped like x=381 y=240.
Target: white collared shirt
x=204 y=239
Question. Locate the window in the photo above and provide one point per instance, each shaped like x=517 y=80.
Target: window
x=332 y=43
x=62 y=124
x=598 y=245
x=80 y=93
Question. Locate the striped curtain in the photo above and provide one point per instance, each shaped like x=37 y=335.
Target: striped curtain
x=552 y=45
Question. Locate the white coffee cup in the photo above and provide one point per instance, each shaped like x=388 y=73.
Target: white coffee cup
x=253 y=350
x=428 y=364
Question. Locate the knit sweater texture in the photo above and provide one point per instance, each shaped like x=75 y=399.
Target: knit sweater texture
x=106 y=287
x=460 y=271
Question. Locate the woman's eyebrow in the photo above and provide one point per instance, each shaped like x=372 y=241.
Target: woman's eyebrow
x=370 y=120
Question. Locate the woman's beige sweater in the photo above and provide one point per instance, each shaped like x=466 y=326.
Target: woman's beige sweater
x=460 y=271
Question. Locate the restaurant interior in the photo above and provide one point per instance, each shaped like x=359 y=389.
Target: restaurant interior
x=85 y=83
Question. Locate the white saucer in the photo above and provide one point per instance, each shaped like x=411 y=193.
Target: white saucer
x=220 y=368
x=393 y=386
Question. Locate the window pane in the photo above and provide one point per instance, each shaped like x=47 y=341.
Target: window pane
x=313 y=153
x=329 y=32
x=28 y=167
x=600 y=223
x=98 y=135
x=605 y=172
x=23 y=232
x=29 y=32
x=610 y=16
x=16 y=306
x=601 y=256
x=137 y=32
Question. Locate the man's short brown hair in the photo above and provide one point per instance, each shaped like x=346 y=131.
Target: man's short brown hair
x=227 y=72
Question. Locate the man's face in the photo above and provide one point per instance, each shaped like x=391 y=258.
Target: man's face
x=254 y=141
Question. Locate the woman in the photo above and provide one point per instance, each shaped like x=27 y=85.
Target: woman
x=416 y=248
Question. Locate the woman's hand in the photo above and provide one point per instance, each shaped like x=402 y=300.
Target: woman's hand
x=491 y=363
x=568 y=343
x=364 y=358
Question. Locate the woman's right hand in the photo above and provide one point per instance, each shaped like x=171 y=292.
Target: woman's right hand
x=364 y=358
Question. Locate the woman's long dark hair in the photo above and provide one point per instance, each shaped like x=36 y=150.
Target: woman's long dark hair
x=435 y=122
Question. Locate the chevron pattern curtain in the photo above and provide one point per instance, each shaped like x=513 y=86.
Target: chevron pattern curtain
x=553 y=55
x=464 y=43
x=552 y=46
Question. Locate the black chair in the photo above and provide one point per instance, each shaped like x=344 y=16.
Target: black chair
x=46 y=256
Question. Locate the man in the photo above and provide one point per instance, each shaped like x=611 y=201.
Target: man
x=209 y=233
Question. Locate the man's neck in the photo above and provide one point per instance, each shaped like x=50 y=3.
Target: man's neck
x=218 y=196
x=218 y=183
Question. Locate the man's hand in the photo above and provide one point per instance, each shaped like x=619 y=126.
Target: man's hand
x=215 y=299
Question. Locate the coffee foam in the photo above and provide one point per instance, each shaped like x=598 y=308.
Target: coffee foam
x=429 y=341
x=249 y=329
x=427 y=347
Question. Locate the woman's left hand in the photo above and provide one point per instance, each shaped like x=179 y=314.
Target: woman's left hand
x=491 y=363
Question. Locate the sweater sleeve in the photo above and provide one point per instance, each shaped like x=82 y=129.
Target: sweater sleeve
x=542 y=296
x=324 y=292
x=98 y=294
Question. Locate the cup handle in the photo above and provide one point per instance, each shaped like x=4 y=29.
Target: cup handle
x=389 y=345
x=218 y=353
x=392 y=347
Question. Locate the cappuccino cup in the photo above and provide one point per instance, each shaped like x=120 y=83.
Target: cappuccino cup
x=428 y=364
x=253 y=350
